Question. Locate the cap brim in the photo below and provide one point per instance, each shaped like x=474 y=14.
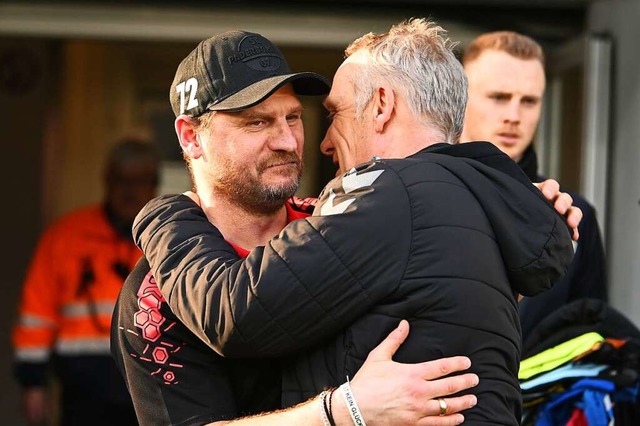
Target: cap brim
x=304 y=83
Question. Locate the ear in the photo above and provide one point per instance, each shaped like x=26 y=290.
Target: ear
x=383 y=107
x=187 y=136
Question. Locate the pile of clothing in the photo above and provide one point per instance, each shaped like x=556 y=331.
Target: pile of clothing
x=581 y=366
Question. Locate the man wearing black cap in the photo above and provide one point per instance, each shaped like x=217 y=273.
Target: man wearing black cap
x=238 y=120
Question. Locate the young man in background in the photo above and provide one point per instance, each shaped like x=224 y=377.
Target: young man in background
x=506 y=88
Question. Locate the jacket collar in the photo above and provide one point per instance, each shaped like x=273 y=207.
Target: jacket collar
x=483 y=152
x=529 y=164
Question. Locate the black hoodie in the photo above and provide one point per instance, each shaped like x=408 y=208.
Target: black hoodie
x=444 y=238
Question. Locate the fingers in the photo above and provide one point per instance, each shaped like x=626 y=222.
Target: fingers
x=444 y=366
x=550 y=189
x=452 y=415
x=437 y=387
x=563 y=203
x=453 y=405
x=450 y=385
x=388 y=347
x=449 y=420
x=574 y=216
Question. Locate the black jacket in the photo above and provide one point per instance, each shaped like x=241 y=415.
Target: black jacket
x=172 y=376
x=586 y=277
x=443 y=238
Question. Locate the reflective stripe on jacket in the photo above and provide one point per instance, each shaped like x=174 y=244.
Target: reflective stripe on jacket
x=71 y=286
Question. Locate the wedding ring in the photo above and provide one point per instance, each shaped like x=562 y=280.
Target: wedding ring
x=443 y=406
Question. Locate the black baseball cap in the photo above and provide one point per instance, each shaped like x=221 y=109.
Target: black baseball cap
x=233 y=71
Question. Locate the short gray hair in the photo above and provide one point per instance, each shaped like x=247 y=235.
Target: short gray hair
x=417 y=58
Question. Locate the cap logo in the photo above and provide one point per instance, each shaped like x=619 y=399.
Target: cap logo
x=256 y=54
x=189 y=87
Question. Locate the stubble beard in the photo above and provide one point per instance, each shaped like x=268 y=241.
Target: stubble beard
x=246 y=189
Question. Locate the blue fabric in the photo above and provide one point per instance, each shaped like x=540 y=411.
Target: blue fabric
x=567 y=371
x=591 y=395
x=597 y=407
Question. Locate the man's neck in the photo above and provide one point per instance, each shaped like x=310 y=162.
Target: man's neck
x=240 y=227
x=407 y=139
x=403 y=135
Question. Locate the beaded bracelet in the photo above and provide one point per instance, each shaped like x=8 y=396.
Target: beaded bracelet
x=327 y=406
x=323 y=410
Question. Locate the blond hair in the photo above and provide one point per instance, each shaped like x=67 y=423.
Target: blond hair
x=515 y=44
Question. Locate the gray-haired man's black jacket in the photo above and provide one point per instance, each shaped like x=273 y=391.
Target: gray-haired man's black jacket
x=444 y=238
x=586 y=277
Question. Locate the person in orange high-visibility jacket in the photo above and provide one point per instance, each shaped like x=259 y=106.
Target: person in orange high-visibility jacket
x=71 y=286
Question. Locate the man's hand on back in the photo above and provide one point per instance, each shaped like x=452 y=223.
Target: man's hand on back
x=563 y=203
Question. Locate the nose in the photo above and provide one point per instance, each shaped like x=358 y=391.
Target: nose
x=512 y=113
x=326 y=147
x=284 y=138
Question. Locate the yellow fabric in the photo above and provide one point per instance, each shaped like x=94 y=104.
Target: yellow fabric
x=558 y=355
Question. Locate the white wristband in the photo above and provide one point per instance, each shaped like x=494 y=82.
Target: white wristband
x=352 y=407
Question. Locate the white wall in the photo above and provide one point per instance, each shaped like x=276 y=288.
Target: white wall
x=619 y=19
